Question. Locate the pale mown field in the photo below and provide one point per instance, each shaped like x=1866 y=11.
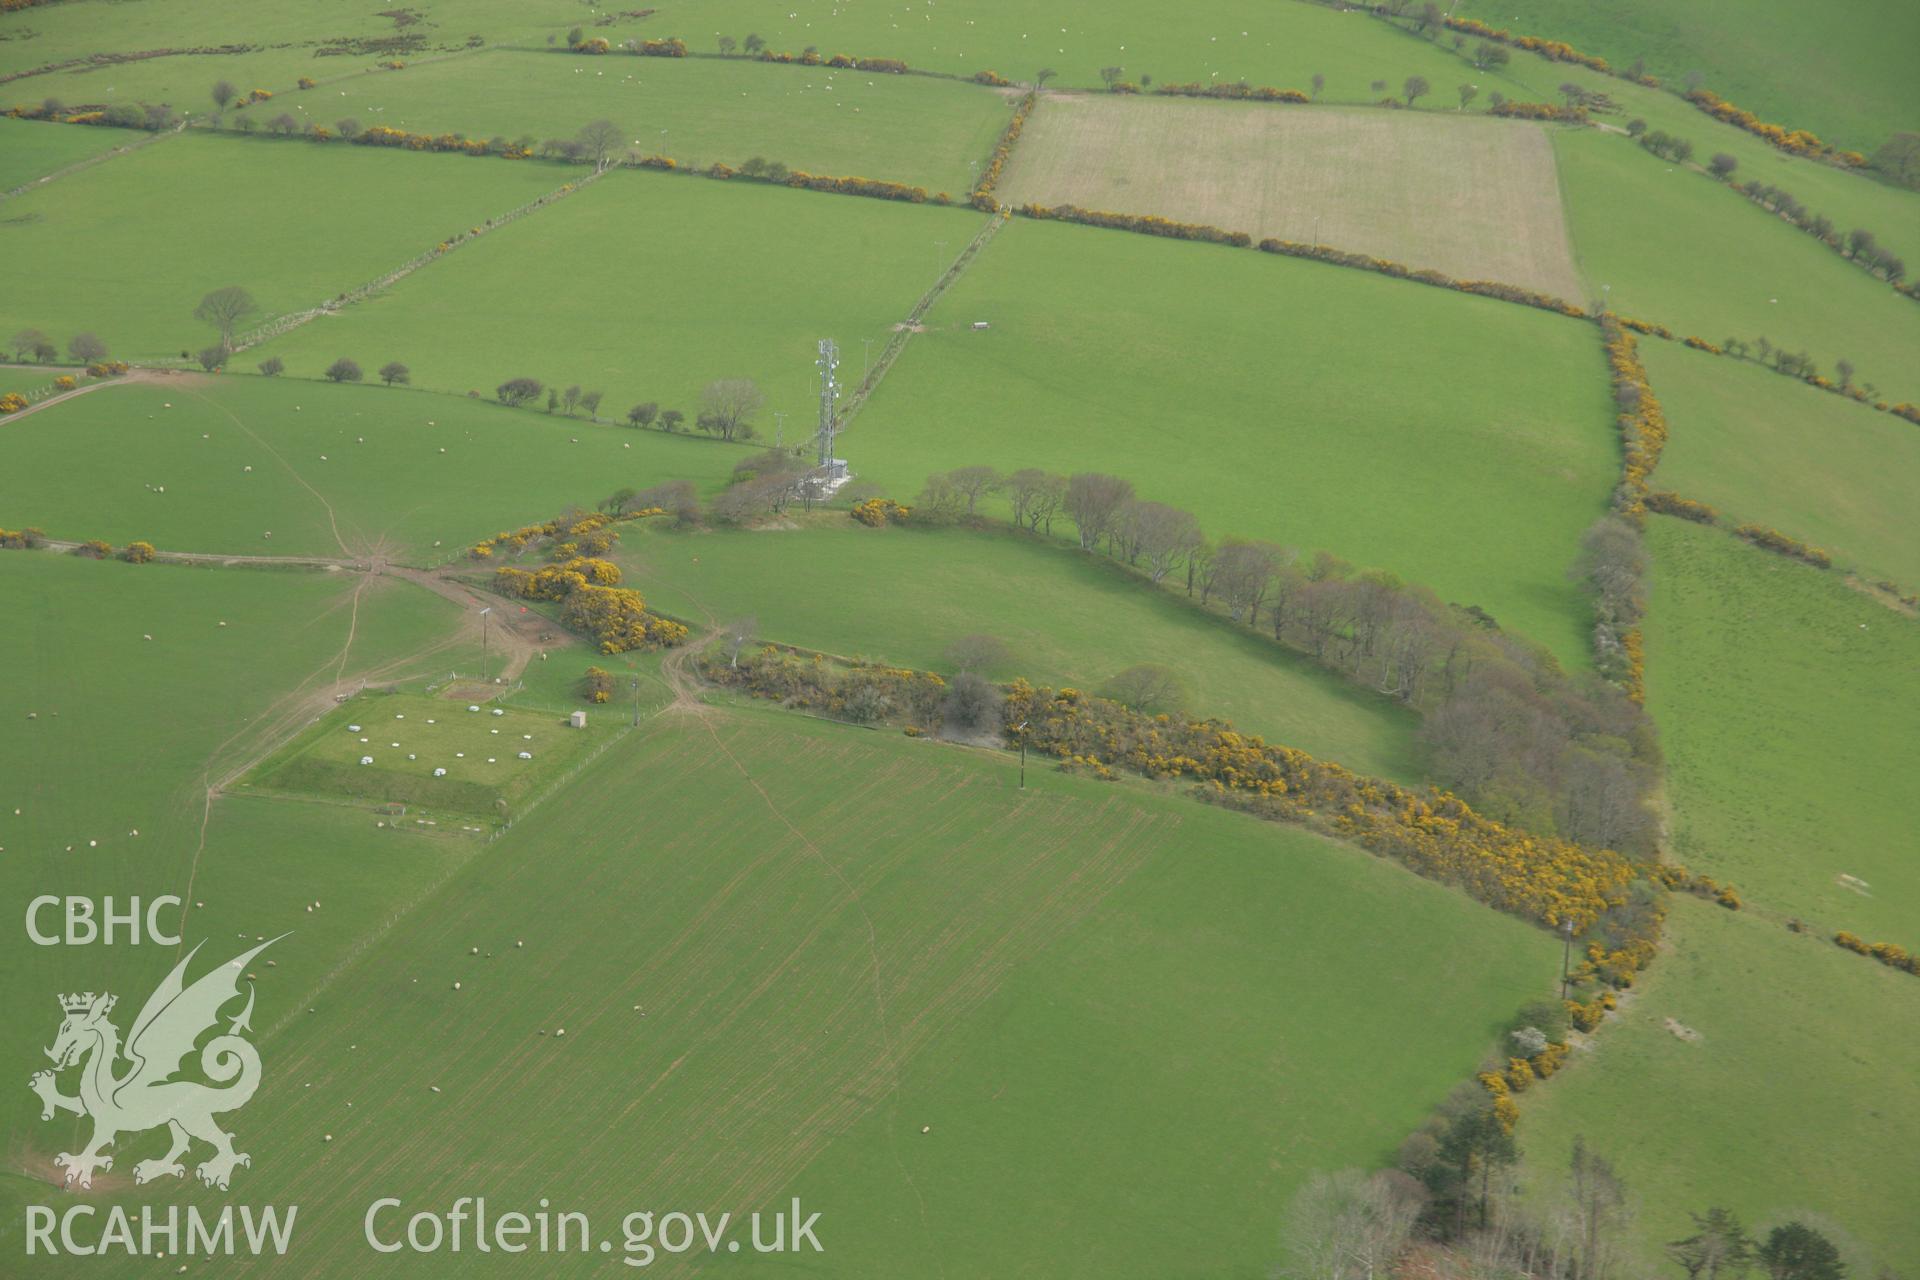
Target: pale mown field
x=1473 y=197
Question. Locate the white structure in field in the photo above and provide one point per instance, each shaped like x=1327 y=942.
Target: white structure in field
x=577 y=720
x=829 y=472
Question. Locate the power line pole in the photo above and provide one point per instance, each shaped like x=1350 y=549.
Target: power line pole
x=636 y=702
x=483 y=640
x=1566 y=957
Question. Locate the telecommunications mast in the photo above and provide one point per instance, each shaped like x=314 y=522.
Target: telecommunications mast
x=829 y=472
x=828 y=364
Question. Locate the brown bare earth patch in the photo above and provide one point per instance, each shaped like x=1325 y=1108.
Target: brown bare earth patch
x=1681 y=1031
x=1471 y=196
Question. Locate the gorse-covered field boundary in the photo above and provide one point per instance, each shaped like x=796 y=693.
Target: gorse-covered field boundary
x=1543 y=879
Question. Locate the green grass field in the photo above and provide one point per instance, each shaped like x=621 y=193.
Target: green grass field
x=1780 y=699
x=835 y=937
x=335 y=470
x=278 y=42
x=1838 y=72
x=1825 y=470
x=30 y=149
x=1663 y=245
x=697 y=110
x=1476 y=198
x=1849 y=199
x=757 y=275
x=1225 y=40
x=1480 y=428
x=229 y=208
x=1794 y=1102
x=116 y=734
x=1067 y=619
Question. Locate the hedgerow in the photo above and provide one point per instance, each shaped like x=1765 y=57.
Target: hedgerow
x=1552 y=50
x=813 y=58
x=1669 y=503
x=1799 y=142
x=1776 y=541
x=1641 y=422
x=1422 y=275
x=1858 y=246
x=1239 y=91
x=1145 y=224
x=990 y=175
x=1887 y=953
x=1551 y=111
x=857 y=692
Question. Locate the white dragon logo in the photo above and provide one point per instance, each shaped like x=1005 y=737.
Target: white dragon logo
x=146 y=1095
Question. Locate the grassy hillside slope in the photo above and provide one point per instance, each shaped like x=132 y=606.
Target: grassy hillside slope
x=1264 y=395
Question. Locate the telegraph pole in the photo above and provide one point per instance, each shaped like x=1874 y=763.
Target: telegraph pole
x=1021 y=729
x=483 y=640
x=1566 y=958
x=636 y=702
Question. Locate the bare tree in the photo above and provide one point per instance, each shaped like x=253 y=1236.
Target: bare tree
x=393 y=373
x=974 y=482
x=1093 y=501
x=762 y=495
x=1319 y=83
x=727 y=407
x=571 y=398
x=1160 y=535
x=598 y=139
x=1468 y=92
x=1149 y=688
x=1110 y=76
x=738 y=635
x=1415 y=87
x=940 y=501
x=343 y=370
x=727 y=46
x=1036 y=496
x=978 y=653
x=971 y=704
x=1243 y=574
x=590 y=401
x=86 y=348
x=223 y=92
x=677 y=498
x=1600 y=1212
x=28 y=343
x=1349 y=1226
x=1041 y=77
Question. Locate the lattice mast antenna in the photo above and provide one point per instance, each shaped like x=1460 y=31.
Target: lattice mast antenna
x=828 y=363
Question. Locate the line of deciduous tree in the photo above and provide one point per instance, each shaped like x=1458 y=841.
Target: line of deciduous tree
x=1525 y=741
